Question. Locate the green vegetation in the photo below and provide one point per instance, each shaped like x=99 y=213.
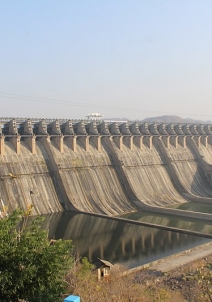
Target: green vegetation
x=32 y=268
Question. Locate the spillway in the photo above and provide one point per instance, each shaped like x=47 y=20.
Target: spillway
x=26 y=179
x=106 y=168
x=148 y=177
x=188 y=172
x=90 y=180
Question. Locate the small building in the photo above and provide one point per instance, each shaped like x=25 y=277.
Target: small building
x=94 y=116
x=103 y=268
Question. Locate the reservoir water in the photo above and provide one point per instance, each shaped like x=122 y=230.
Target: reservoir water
x=194 y=207
x=125 y=243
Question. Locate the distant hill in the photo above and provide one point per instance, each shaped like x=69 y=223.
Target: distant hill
x=174 y=119
x=161 y=119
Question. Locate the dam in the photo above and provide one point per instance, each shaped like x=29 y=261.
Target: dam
x=105 y=168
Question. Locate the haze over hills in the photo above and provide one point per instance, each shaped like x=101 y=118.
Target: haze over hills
x=174 y=119
x=163 y=119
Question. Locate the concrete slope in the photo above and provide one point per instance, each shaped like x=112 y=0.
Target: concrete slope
x=147 y=176
x=188 y=172
x=204 y=157
x=26 y=179
x=206 y=152
x=90 y=181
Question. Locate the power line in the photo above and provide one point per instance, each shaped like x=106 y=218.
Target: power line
x=56 y=101
x=80 y=104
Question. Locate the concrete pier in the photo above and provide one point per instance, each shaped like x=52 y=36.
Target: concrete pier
x=2 y=145
x=138 y=140
x=97 y=142
x=148 y=141
x=85 y=142
x=182 y=141
x=59 y=142
x=128 y=140
x=16 y=143
x=197 y=140
x=204 y=140
x=31 y=141
x=118 y=141
x=166 y=140
x=174 y=141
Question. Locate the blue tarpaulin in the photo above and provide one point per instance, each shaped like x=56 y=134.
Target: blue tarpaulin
x=72 y=299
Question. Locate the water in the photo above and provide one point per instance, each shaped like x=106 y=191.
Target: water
x=194 y=207
x=118 y=242
x=191 y=224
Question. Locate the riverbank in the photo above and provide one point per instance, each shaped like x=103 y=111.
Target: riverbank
x=178 y=275
x=176 y=261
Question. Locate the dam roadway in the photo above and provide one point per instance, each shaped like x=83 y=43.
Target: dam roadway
x=104 y=168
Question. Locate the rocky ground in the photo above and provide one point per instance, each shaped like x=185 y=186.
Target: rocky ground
x=185 y=280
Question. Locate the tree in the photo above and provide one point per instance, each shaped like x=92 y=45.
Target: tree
x=32 y=268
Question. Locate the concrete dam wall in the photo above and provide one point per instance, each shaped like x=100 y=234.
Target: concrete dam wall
x=106 y=168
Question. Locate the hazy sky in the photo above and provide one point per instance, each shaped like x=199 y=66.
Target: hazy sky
x=121 y=58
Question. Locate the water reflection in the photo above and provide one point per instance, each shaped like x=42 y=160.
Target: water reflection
x=191 y=224
x=117 y=242
x=194 y=207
